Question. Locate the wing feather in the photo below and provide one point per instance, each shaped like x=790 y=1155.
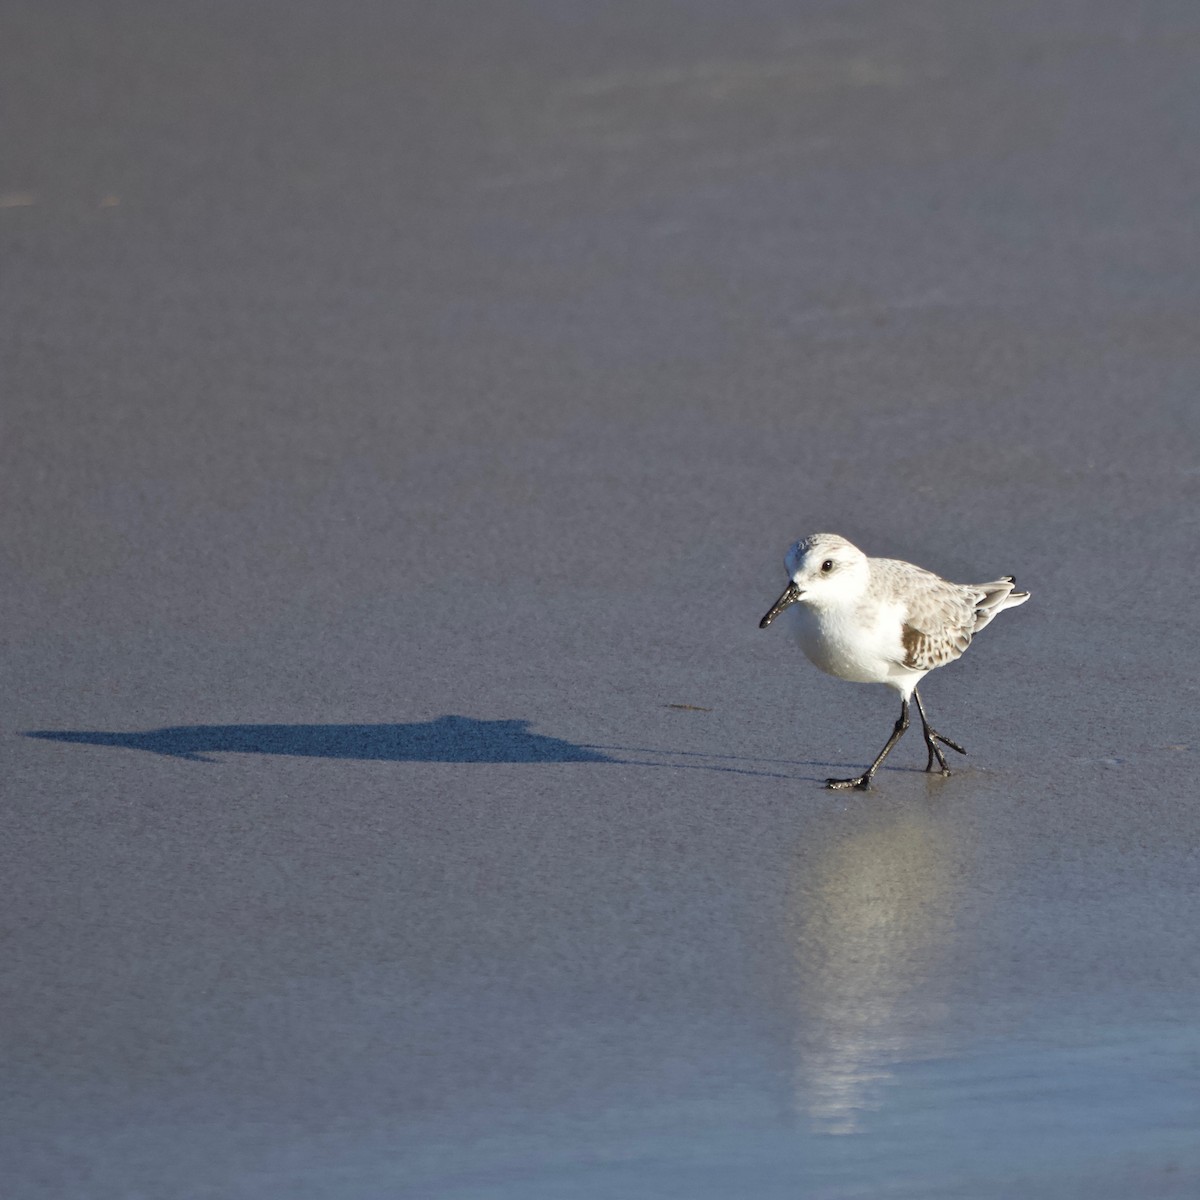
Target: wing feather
x=940 y=617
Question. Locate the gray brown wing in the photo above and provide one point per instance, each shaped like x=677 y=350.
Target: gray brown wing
x=939 y=621
x=923 y=650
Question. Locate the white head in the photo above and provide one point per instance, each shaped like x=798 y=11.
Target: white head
x=825 y=570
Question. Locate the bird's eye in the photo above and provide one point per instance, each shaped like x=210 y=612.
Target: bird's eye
x=827 y=565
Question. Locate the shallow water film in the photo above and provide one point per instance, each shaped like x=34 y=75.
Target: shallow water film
x=406 y=411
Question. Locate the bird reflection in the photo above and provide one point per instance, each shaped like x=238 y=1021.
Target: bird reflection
x=872 y=922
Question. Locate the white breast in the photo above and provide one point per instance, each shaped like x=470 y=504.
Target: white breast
x=841 y=644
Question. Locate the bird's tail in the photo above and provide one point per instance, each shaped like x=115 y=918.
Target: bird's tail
x=993 y=598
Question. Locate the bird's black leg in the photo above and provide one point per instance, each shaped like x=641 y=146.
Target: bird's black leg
x=863 y=781
x=932 y=737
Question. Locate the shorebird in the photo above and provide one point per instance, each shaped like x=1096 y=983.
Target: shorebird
x=882 y=620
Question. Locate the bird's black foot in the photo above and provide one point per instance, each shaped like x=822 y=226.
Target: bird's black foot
x=861 y=782
x=932 y=737
x=933 y=733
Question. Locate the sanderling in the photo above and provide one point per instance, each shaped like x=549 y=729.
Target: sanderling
x=881 y=620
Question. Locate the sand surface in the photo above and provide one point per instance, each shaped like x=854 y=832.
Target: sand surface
x=405 y=411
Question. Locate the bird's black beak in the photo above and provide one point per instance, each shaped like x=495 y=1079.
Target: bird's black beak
x=790 y=596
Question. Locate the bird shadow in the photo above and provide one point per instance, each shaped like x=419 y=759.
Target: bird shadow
x=448 y=739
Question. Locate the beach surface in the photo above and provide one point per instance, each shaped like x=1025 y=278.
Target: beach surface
x=406 y=410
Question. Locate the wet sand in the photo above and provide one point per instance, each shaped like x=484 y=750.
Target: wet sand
x=406 y=410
